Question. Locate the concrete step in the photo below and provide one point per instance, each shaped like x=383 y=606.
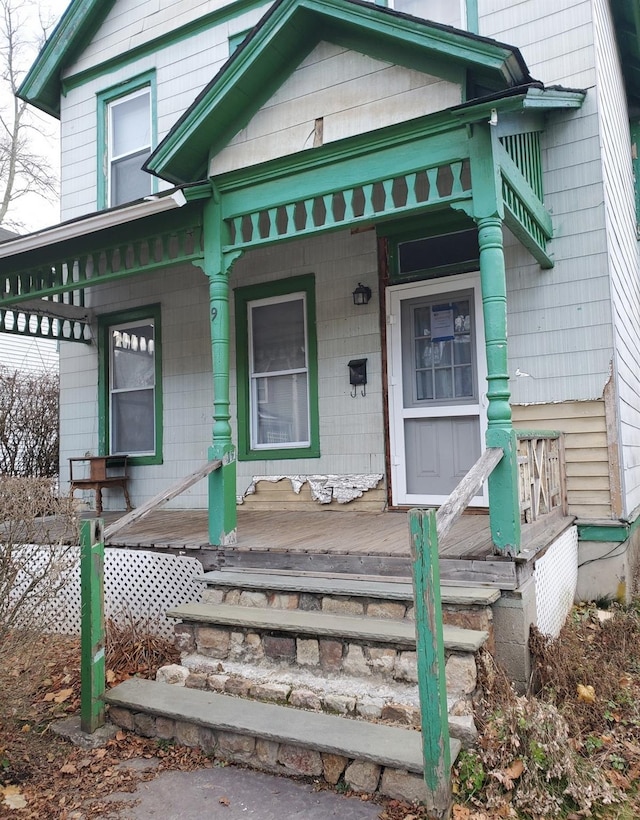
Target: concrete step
x=367 y=756
x=378 y=631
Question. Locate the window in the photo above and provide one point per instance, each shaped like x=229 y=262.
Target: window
x=277 y=370
x=127 y=136
x=131 y=380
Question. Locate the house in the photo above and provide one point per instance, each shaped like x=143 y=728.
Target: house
x=344 y=249
x=19 y=351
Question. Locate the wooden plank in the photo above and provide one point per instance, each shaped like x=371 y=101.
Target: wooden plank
x=432 y=682
x=162 y=498
x=557 y=410
x=613 y=450
x=459 y=499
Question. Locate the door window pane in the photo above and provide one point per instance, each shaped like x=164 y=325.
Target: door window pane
x=441 y=351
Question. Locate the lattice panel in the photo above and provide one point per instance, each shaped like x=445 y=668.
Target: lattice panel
x=138 y=585
x=556 y=577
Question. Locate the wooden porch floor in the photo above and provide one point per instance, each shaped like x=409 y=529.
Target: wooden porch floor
x=339 y=533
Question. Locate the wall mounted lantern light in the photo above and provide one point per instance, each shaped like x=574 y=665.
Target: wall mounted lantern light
x=361 y=295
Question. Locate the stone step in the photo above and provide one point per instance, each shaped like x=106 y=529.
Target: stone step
x=389 y=701
x=384 y=588
x=367 y=756
x=379 y=631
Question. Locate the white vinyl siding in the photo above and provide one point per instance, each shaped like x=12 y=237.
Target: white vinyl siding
x=622 y=247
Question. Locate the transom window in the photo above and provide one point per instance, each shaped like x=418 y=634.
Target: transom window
x=128 y=147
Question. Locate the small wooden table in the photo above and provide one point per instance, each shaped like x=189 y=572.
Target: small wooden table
x=103 y=472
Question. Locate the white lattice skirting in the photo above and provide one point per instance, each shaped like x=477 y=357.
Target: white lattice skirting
x=139 y=586
x=556 y=578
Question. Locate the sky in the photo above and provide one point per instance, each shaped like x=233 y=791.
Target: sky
x=34 y=212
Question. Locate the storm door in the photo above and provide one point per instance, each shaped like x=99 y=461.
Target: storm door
x=437 y=385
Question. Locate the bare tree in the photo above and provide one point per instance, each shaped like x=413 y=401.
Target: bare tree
x=23 y=168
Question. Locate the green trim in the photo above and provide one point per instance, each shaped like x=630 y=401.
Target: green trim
x=41 y=86
x=105 y=321
x=256 y=70
x=598 y=532
x=170 y=38
x=615 y=531
x=236 y=40
x=635 y=159
x=103 y=100
x=243 y=296
x=473 y=24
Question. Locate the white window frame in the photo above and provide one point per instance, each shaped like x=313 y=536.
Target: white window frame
x=254 y=377
x=113 y=158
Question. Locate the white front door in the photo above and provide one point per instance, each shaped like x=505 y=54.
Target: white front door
x=437 y=384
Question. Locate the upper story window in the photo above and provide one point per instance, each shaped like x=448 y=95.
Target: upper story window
x=129 y=145
x=126 y=135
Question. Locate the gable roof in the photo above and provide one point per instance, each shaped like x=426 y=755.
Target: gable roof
x=281 y=40
x=42 y=85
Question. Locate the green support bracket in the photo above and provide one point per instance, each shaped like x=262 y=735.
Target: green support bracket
x=92 y=632
x=432 y=684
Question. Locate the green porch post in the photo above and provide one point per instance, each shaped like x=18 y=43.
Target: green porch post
x=222 y=482
x=504 y=503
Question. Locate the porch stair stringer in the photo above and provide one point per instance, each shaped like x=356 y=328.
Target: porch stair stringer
x=276 y=738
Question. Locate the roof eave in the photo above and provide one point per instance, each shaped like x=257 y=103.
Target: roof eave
x=41 y=85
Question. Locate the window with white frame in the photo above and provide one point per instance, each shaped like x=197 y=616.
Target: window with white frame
x=129 y=137
x=279 y=372
x=132 y=387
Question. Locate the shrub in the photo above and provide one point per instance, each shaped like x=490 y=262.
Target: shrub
x=29 y=416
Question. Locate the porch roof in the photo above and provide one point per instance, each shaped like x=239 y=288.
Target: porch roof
x=281 y=40
x=44 y=274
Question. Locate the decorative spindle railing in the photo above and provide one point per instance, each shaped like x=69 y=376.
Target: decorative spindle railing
x=441 y=184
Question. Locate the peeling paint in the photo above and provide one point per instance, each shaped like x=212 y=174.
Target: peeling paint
x=324 y=488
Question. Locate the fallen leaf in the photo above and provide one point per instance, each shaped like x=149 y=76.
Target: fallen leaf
x=586 y=694
x=62 y=695
x=224 y=801
x=26 y=728
x=13 y=797
x=460 y=812
x=515 y=770
x=68 y=768
x=110 y=676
